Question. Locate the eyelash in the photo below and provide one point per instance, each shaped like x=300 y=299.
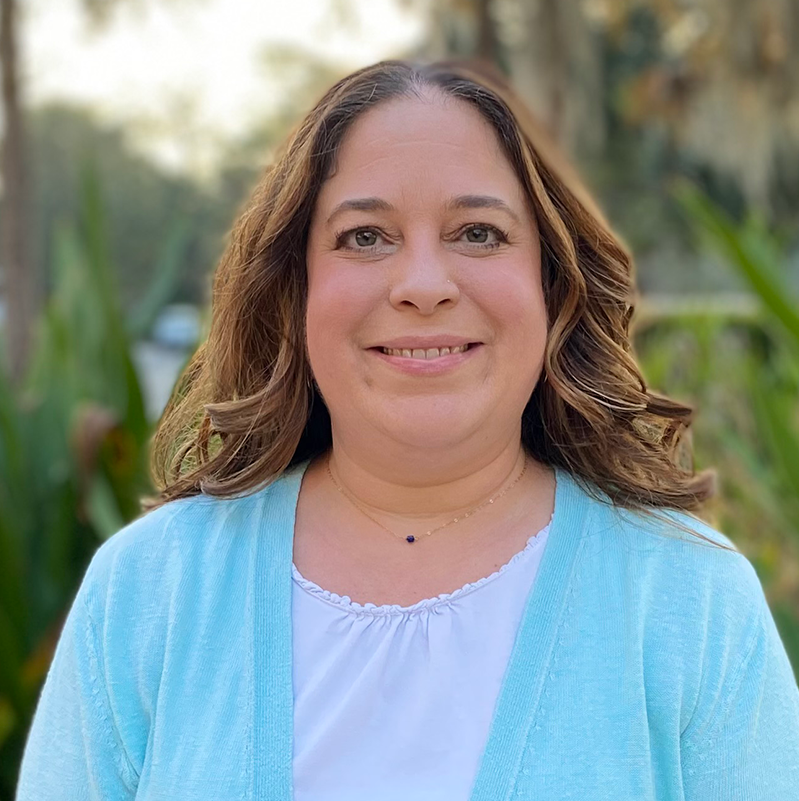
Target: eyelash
x=503 y=236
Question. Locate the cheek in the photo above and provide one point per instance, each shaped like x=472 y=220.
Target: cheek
x=339 y=302
x=530 y=315
x=515 y=304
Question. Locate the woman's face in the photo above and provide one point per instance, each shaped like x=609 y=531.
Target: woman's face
x=424 y=256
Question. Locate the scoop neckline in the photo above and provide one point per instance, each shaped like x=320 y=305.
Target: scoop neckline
x=345 y=603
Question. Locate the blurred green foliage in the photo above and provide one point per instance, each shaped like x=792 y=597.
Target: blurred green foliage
x=73 y=454
x=143 y=204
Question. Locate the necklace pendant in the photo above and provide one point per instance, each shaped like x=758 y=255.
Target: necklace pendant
x=410 y=538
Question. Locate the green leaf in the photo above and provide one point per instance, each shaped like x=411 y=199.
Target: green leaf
x=750 y=252
x=773 y=408
x=8 y=720
x=102 y=507
x=162 y=290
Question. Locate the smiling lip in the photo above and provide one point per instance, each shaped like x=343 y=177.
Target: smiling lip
x=423 y=367
x=424 y=342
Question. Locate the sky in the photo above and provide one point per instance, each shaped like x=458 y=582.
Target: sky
x=183 y=76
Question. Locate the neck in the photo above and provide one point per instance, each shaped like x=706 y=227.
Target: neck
x=391 y=496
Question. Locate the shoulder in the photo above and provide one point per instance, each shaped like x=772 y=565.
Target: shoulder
x=666 y=553
x=182 y=573
x=687 y=545
x=675 y=573
x=704 y=602
x=683 y=554
x=146 y=552
x=178 y=545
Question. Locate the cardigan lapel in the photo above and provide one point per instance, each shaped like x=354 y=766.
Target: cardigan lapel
x=273 y=691
x=519 y=695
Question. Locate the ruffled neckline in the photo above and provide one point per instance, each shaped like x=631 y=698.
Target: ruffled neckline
x=346 y=603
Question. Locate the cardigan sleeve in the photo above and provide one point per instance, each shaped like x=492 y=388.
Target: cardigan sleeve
x=745 y=744
x=73 y=751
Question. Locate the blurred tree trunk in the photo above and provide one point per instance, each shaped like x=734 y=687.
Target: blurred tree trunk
x=21 y=288
x=21 y=292
x=555 y=59
x=550 y=49
x=722 y=82
x=487 y=45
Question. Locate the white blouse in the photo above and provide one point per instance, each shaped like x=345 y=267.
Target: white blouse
x=395 y=702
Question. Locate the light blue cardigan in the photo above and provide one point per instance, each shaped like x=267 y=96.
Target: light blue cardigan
x=647 y=666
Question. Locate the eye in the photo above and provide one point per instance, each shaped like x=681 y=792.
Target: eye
x=483 y=232
x=365 y=239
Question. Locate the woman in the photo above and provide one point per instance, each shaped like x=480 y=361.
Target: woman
x=423 y=531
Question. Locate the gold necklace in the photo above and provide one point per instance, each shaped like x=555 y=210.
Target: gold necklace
x=410 y=537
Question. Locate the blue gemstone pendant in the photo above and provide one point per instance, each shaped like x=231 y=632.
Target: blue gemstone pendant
x=410 y=538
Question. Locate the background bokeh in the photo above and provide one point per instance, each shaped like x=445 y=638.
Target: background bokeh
x=133 y=130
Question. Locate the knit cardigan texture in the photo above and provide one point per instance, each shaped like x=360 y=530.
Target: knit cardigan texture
x=647 y=665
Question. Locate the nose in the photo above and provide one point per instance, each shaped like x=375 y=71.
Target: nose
x=423 y=280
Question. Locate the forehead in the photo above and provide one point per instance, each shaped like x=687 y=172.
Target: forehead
x=431 y=118
x=418 y=145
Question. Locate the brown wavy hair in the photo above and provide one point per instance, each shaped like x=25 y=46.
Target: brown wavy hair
x=246 y=408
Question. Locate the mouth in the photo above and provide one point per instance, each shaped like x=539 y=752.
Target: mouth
x=425 y=354
x=429 y=362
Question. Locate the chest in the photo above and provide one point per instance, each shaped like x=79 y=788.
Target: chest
x=371 y=565
x=585 y=711
x=562 y=728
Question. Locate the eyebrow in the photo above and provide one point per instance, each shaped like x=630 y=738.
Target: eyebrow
x=455 y=203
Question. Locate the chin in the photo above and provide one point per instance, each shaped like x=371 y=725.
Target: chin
x=434 y=431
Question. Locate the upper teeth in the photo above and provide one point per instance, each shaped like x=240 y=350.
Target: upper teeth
x=427 y=353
